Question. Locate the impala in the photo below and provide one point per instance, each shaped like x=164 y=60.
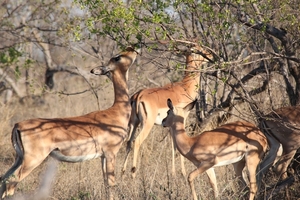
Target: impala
x=76 y=139
x=149 y=105
x=227 y=144
x=283 y=125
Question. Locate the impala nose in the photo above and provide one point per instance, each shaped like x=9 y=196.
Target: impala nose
x=101 y=70
x=163 y=123
x=96 y=71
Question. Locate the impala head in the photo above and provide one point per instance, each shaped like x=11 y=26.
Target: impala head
x=176 y=114
x=201 y=54
x=120 y=62
x=196 y=56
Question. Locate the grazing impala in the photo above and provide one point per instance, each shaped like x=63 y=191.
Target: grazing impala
x=76 y=139
x=228 y=144
x=149 y=105
x=283 y=124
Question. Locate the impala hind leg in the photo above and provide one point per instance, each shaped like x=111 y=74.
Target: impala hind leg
x=132 y=130
x=20 y=169
x=283 y=163
x=7 y=189
x=252 y=163
x=137 y=144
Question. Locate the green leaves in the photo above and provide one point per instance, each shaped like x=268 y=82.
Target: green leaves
x=10 y=56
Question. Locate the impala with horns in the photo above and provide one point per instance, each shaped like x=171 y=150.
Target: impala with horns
x=76 y=139
x=238 y=143
x=282 y=126
x=149 y=105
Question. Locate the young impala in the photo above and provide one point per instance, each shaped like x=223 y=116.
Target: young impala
x=238 y=143
x=149 y=105
x=283 y=125
x=76 y=139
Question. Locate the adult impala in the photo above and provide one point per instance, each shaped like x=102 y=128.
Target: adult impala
x=283 y=124
x=232 y=143
x=76 y=139
x=149 y=105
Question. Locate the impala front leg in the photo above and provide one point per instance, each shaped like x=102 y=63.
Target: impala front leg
x=213 y=181
x=173 y=160
x=201 y=168
x=103 y=165
x=173 y=157
x=110 y=174
x=238 y=169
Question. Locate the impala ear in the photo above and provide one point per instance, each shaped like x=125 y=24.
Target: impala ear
x=137 y=50
x=136 y=47
x=190 y=106
x=170 y=105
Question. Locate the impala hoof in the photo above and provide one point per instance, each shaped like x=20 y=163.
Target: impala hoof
x=122 y=172
x=133 y=170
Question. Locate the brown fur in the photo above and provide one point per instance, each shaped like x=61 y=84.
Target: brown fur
x=75 y=139
x=238 y=143
x=282 y=127
x=149 y=105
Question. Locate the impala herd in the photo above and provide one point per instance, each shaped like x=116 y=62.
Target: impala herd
x=102 y=133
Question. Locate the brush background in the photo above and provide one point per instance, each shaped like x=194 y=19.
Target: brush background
x=84 y=180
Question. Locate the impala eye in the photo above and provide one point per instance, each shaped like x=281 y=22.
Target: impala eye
x=117 y=58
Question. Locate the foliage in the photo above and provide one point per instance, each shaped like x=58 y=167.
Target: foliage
x=256 y=35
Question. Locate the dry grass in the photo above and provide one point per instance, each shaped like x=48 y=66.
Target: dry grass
x=84 y=180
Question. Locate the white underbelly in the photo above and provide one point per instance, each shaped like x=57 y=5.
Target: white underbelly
x=159 y=118
x=61 y=157
x=227 y=162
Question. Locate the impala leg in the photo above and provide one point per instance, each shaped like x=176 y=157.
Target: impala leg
x=252 y=163
x=238 y=169
x=17 y=173
x=183 y=171
x=173 y=155
x=103 y=165
x=137 y=144
x=7 y=189
x=213 y=181
x=201 y=168
x=283 y=163
x=173 y=159
x=132 y=130
x=110 y=174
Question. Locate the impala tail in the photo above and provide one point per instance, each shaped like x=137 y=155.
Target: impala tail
x=274 y=149
x=135 y=119
x=17 y=144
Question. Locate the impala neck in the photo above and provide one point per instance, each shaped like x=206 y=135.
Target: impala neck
x=191 y=78
x=193 y=65
x=121 y=89
x=180 y=136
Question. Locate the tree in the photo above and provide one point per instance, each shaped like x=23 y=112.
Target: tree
x=36 y=35
x=258 y=37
